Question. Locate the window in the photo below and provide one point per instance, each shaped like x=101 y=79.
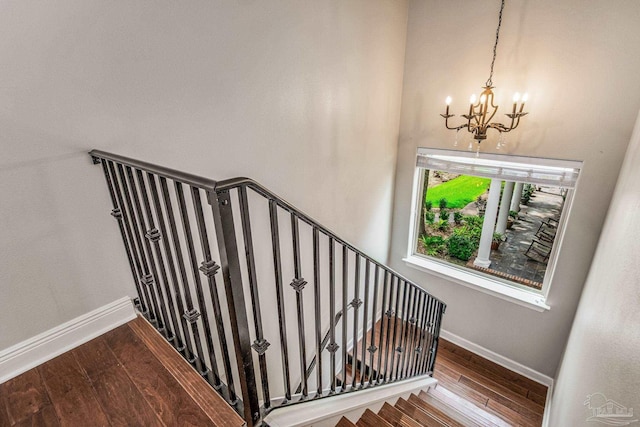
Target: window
x=493 y=222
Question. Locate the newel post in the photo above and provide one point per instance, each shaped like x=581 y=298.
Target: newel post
x=230 y=262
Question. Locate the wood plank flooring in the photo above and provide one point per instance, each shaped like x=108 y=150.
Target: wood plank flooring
x=129 y=376
x=465 y=376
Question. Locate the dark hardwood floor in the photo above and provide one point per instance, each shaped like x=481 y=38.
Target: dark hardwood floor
x=468 y=377
x=128 y=377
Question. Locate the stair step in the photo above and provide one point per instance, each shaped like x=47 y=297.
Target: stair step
x=475 y=412
x=344 y=422
x=371 y=419
x=418 y=414
x=450 y=411
x=436 y=412
x=462 y=391
x=396 y=417
x=349 y=376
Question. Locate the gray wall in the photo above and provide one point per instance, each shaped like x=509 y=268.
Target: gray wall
x=579 y=61
x=303 y=96
x=603 y=352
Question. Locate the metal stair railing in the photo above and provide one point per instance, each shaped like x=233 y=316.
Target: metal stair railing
x=175 y=277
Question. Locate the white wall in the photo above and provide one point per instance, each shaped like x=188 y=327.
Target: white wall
x=579 y=61
x=603 y=352
x=303 y=96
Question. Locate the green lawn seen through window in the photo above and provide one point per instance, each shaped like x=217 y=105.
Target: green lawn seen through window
x=459 y=191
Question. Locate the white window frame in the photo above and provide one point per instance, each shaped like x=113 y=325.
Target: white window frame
x=497 y=287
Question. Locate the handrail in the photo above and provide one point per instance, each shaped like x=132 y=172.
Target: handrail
x=184 y=177
x=232 y=183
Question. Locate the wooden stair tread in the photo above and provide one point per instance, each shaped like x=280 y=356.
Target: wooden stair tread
x=371 y=419
x=451 y=411
x=479 y=414
x=436 y=412
x=344 y=422
x=396 y=417
x=424 y=418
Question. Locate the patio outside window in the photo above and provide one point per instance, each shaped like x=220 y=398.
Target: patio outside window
x=490 y=220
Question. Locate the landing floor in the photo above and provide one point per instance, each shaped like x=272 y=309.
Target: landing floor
x=129 y=376
x=514 y=398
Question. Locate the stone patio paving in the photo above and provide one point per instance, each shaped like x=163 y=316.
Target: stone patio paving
x=510 y=261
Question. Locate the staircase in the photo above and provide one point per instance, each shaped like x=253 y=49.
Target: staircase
x=226 y=270
x=435 y=407
x=471 y=391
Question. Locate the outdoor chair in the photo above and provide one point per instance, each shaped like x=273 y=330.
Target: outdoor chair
x=538 y=250
x=547 y=230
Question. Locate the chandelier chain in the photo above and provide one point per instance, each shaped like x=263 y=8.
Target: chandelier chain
x=495 y=46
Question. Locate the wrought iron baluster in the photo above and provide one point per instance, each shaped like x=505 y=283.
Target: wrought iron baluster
x=153 y=278
x=363 y=365
x=298 y=285
x=417 y=349
x=404 y=323
x=209 y=268
x=384 y=325
x=409 y=319
x=184 y=344
x=191 y=314
x=260 y=344
x=277 y=267
x=345 y=314
x=415 y=336
x=155 y=236
x=423 y=343
x=332 y=347
x=147 y=279
x=318 y=318
x=428 y=335
x=436 y=331
x=392 y=346
x=391 y=328
x=401 y=314
x=374 y=314
x=119 y=213
x=213 y=377
x=355 y=303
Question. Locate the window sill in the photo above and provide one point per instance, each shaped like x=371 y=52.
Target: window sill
x=532 y=300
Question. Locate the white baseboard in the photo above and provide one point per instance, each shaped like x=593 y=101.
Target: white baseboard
x=496 y=358
x=547 y=408
x=45 y=346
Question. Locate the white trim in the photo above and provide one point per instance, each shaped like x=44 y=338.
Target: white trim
x=525 y=298
x=328 y=411
x=496 y=358
x=547 y=407
x=45 y=346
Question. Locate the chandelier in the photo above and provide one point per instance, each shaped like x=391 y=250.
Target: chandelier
x=482 y=109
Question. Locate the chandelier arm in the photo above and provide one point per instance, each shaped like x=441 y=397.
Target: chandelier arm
x=446 y=123
x=456 y=127
x=500 y=127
